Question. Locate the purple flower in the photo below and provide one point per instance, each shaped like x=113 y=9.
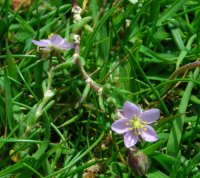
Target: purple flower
x=54 y=42
x=133 y=122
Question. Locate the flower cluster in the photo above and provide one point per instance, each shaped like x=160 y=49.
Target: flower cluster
x=133 y=122
x=55 y=42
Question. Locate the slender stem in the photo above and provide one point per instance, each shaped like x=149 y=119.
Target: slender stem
x=76 y=18
x=87 y=77
x=48 y=94
x=184 y=69
x=178 y=72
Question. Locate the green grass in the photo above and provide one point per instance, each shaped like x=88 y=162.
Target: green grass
x=131 y=51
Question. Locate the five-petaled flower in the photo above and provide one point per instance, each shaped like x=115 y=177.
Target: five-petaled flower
x=133 y=122
x=55 y=42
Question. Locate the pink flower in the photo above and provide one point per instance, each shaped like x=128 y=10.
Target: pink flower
x=133 y=122
x=54 y=42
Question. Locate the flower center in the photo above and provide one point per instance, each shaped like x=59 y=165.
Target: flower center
x=136 y=124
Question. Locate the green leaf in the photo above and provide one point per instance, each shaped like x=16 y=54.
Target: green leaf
x=12 y=71
x=8 y=102
x=96 y=30
x=154 y=173
x=4 y=26
x=79 y=25
x=169 y=13
x=176 y=132
x=165 y=160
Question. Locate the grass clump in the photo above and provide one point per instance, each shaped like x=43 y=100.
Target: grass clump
x=57 y=106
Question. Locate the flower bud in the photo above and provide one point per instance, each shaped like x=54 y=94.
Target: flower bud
x=138 y=161
x=48 y=94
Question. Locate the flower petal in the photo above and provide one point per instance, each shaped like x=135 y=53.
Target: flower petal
x=120 y=126
x=67 y=46
x=149 y=134
x=42 y=43
x=129 y=109
x=150 y=115
x=130 y=139
x=56 y=39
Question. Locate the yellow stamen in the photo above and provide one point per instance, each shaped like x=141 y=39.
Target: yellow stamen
x=50 y=35
x=136 y=124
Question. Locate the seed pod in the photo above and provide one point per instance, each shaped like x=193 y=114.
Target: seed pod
x=85 y=92
x=138 y=161
x=84 y=95
x=101 y=103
